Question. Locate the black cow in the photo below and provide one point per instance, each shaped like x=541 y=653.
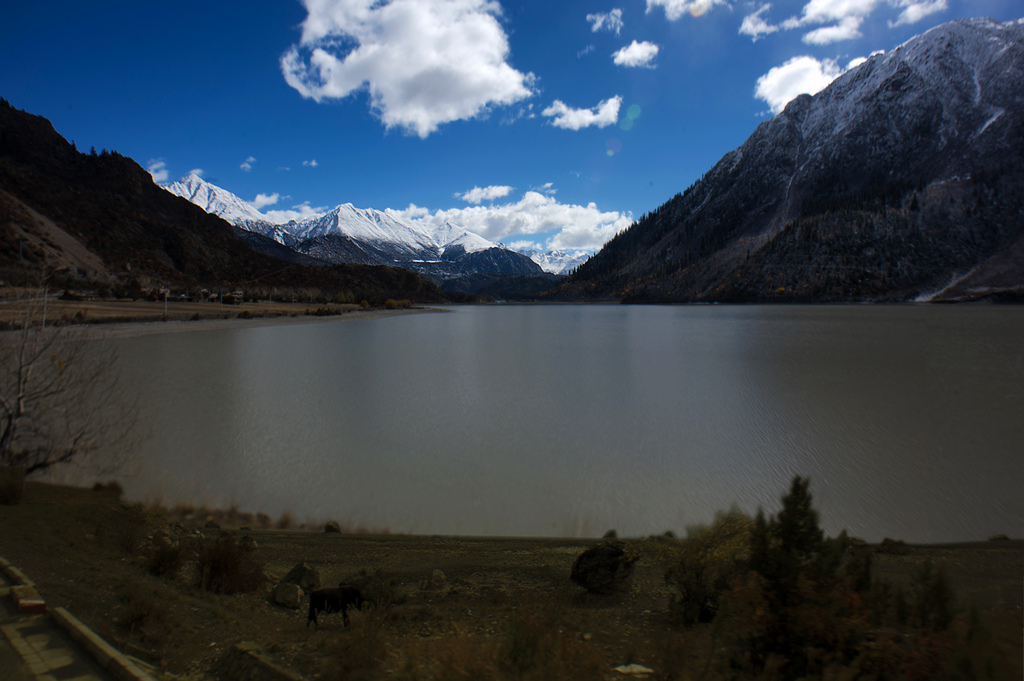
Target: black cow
x=334 y=600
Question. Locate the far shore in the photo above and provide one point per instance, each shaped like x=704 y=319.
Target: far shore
x=127 y=319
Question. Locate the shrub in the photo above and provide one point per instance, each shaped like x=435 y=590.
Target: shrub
x=129 y=528
x=12 y=485
x=167 y=560
x=703 y=567
x=933 y=602
x=222 y=566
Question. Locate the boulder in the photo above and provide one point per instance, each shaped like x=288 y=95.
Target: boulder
x=305 y=576
x=437 y=581
x=332 y=526
x=288 y=595
x=605 y=568
x=247 y=543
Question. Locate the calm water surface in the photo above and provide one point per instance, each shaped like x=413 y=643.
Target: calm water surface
x=570 y=420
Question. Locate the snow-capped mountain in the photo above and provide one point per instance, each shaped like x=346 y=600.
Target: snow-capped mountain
x=224 y=204
x=557 y=261
x=348 y=234
x=899 y=181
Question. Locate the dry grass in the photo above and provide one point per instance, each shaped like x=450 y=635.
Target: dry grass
x=505 y=611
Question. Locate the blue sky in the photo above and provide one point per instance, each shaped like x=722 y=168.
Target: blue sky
x=553 y=123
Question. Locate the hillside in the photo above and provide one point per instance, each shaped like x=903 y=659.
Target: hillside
x=98 y=219
x=902 y=180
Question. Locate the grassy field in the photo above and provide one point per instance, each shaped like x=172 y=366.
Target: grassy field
x=505 y=608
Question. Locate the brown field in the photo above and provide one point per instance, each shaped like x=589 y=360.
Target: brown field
x=504 y=598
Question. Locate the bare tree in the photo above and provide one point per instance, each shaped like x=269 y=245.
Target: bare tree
x=61 y=398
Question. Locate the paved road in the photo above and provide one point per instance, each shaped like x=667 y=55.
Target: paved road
x=34 y=648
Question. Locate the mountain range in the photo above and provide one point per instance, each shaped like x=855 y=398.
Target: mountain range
x=449 y=255
x=97 y=221
x=902 y=180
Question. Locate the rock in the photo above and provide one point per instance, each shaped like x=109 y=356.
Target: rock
x=288 y=595
x=332 y=526
x=211 y=524
x=437 y=581
x=611 y=534
x=604 y=569
x=305 y=576
x=634 y=669
x=998 y=537
x=247 y=543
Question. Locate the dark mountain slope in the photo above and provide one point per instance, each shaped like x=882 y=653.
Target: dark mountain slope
x=139 y=230
x=897 y=180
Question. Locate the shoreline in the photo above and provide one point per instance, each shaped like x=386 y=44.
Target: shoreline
x=92 y=552
x=146 y=318
x=149 y=328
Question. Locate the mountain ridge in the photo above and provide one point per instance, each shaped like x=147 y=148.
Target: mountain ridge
x=346 y=234
x=108 y=205
x=898 y=178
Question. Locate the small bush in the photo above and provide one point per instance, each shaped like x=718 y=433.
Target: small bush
x=167 y=560
x=703 y=567
x=129 y=528
x=222 y=566
x=113 y=487
x=12 y=485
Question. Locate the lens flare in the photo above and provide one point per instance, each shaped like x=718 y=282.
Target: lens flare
x=614 y=146
x=699 y=7
x=633 y=112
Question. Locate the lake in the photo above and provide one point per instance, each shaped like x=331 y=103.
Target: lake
x=572 y=420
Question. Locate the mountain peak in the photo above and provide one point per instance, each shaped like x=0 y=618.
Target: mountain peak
x=899 y=177
x=213 y=199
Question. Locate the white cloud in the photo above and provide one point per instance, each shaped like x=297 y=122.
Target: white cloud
x=847 y=29
x=478 y=194
x=423 y=62
x=913 y=12
x=585 y=51
x=198 y=172
x=311 y=164
x=265 y=200
x=636 y=54
x=574 y=226
x=845 y=18
x=525 y=245
x=297 y=213
x=604 y=114
x=674 y=9
x=158 y=169
x=247 y=164
x=612 y=21
x=755 y=26
x=799 y=75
